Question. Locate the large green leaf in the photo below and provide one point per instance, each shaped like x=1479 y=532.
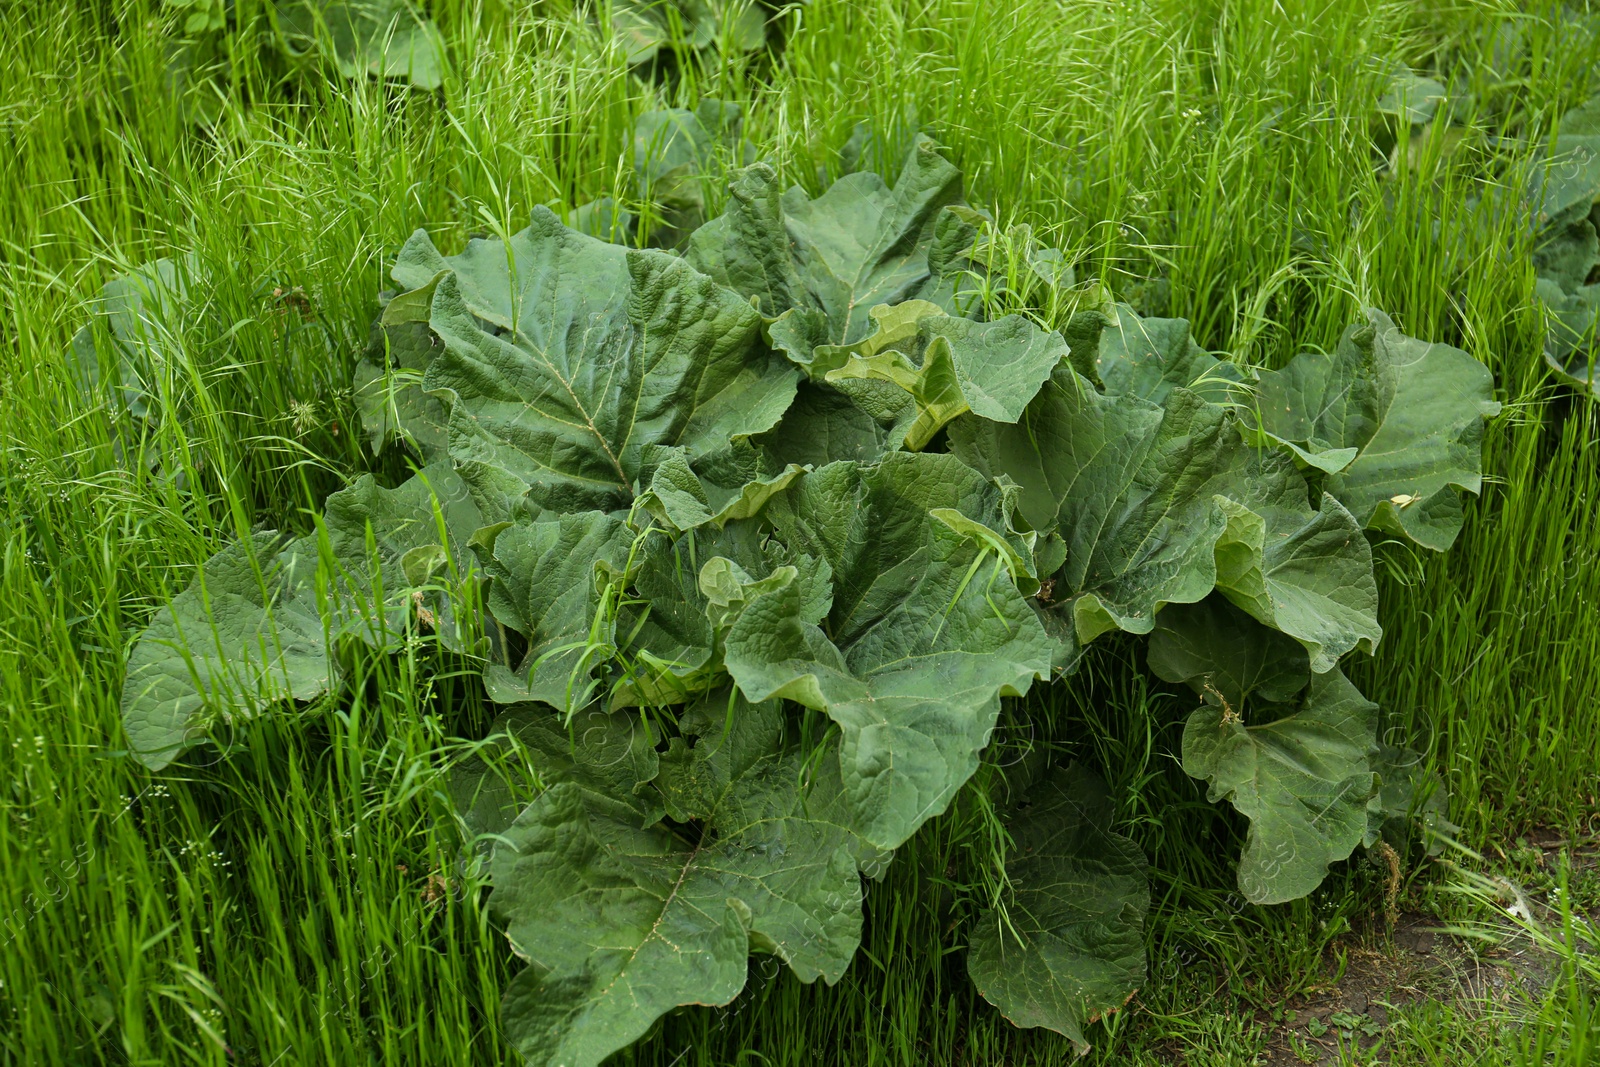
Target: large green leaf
x=645 y=27
x=368 y=38
x=824 y=425
x=671 y=650
x=1414 y=413
x=1305 y=573
x=1127 y=486
x=547 y=583
x=925 y=633
x=716 y=487
x=1567 y=183
x=389 y=394
x=1410 y=797
x=747 y=248
x=604 y=220
x=233 y=642
x=568 y=359
x=137 y=333
x=678 y=155
x=1568 y=256
x=1226 y=656
x=1068 y=947
x=1570 y=348
x=948 y=365
x=1150 y=357
x=1153 y=505
x=1411 y=98
x=621 y=921
x=256 y=625
x=689 y=591
x=1302 y=777
x=1564 y=191
x=531 y=747
x=820 y=265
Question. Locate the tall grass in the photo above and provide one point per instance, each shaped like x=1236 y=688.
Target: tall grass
x=297 y=901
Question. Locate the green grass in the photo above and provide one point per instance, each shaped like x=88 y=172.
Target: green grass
x=276 y=907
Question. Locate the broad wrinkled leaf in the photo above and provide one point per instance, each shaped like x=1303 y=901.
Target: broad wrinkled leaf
x=1409 y=797
x=1570 y=348
x=1225 y=656
x=747 y=248
x=611 y=756
x=228 y=645
x=547 y=582
x=621 y=924
x=389 y=394
x=1583 y=120
x=948 y=365
x=604 y=220
x=136 y=335
x=1414 y=412
x=1305 y=573
x=1568 y=256
x=368 y=38
x=925 y=633
x=1411 y=98
x=893 y=328
x=1069 y=947
x=717 y=487
x=824 y=425
x=568 y=360
x=1568 y=253
x=729 y=589
x=1567 y=182
x=1300 y=774
x=858 y=245
x=822 y=513
x=678 y=156
x=645 y=27
x=1150 y=504
x=1150 y=357
x=1564 y=192
x=688 y=591
x=256 y=625
x=672 y=648
x=1131 y=490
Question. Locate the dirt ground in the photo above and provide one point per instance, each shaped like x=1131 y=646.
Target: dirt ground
x=1419 y=962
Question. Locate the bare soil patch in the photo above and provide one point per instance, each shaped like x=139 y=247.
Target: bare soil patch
x=1417 y=963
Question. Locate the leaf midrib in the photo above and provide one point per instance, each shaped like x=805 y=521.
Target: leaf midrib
x=544 y=357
